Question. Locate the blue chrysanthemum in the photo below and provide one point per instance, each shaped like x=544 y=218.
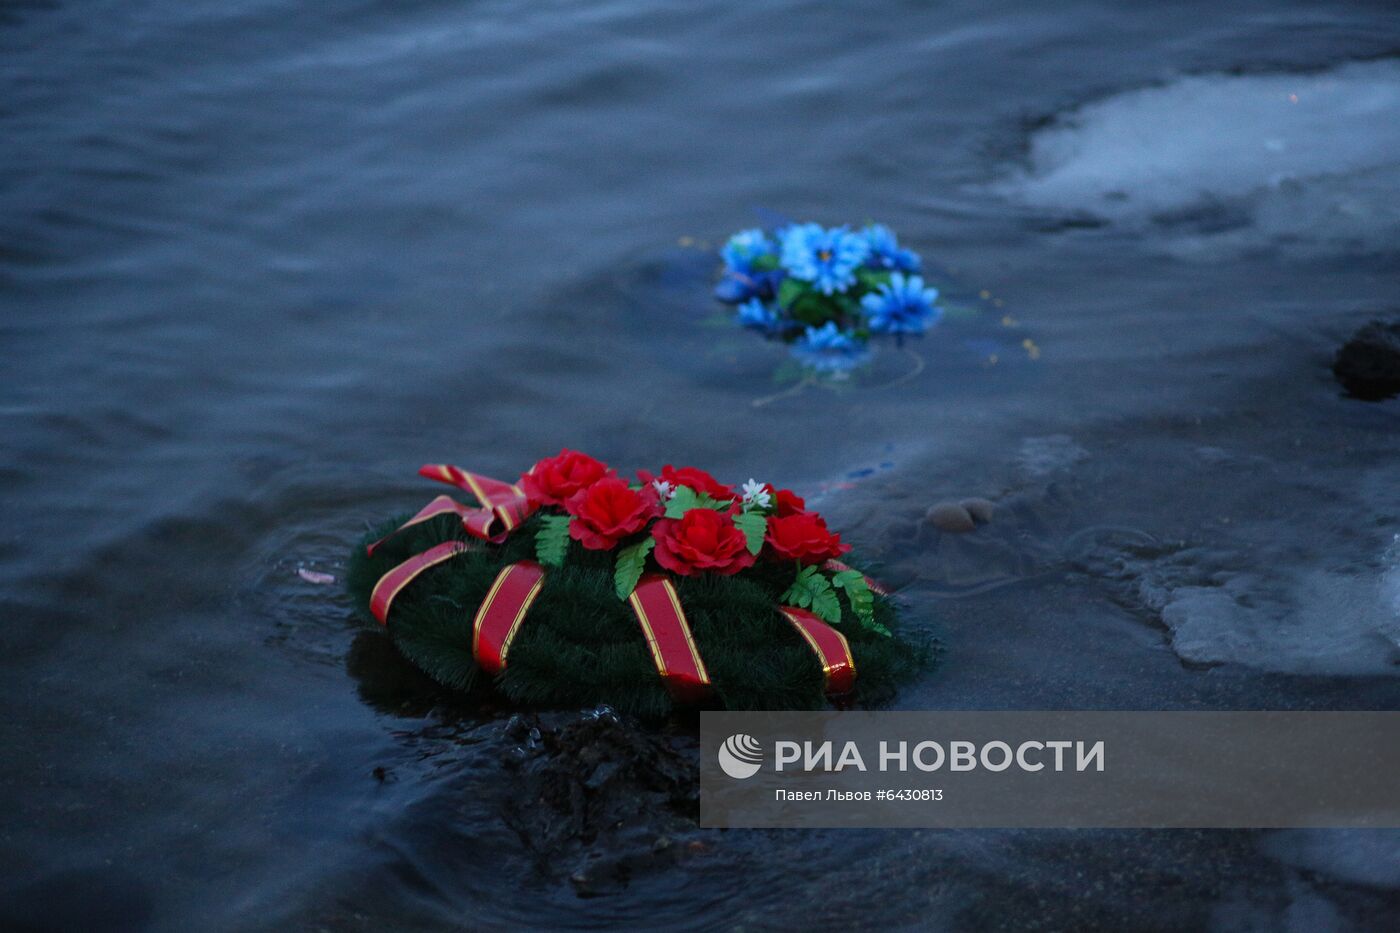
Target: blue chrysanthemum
x=741 y=280
x=828 y=258
x=758 y=316
x=885 y=251
x=829 y=350
x=902 y=306
x=744 y=249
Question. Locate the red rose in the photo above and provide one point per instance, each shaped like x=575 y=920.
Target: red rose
x=609 y=511
x=785 y=501
x=555 y=480
x=803 y=537
x=700 y=541
x=695 y=478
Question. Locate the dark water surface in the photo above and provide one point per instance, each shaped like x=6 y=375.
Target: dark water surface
x=259 y=260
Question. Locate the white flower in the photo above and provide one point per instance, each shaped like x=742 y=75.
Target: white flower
x=663 y=489
x=756 y=496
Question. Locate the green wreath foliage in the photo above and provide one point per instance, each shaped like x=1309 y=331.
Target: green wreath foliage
x=581 y=645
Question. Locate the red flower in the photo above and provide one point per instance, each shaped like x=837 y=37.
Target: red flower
x=609 y=511
x=694 y=477
x=785 y=501
x=555 y=480
x=803 y=537
x=701 y=540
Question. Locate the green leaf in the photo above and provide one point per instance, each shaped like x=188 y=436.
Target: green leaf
x=630 y=562
x=862 y=601
x=684 y=499
x=812 y=590
x=754 y=526
x=816 y=309
x=872 y=278
x=857 y=592
x=552 y=540
x=826 y=606
x=846 y=303
x=800 y=593
x=790 y=291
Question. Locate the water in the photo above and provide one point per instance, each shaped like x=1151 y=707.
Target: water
x=258 y=262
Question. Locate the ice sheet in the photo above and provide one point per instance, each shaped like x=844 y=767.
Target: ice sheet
x=1311 y=160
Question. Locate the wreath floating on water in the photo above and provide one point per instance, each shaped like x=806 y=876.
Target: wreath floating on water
x=826 y=290
x=574 y=586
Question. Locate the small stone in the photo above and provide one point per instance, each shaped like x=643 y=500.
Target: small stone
x=1368 y=365
x=951 y=517
x=980 y=509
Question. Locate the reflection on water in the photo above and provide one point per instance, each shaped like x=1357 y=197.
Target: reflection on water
x=258 y=264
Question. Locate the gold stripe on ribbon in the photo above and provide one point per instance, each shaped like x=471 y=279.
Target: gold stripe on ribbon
x=669 y=640
x=830 y=646
x=393 y=582
x=501 y=612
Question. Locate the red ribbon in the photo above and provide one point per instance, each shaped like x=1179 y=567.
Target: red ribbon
x=502 y=611
x=668 y=637
x=502 y=504
x=439 y=506
x=393 y=582
x=830 y=646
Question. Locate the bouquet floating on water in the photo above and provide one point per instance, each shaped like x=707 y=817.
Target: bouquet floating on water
x=826 y=290
x=575 y=586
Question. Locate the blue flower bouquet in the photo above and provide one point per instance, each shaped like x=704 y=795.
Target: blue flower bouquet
x=826 y=290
